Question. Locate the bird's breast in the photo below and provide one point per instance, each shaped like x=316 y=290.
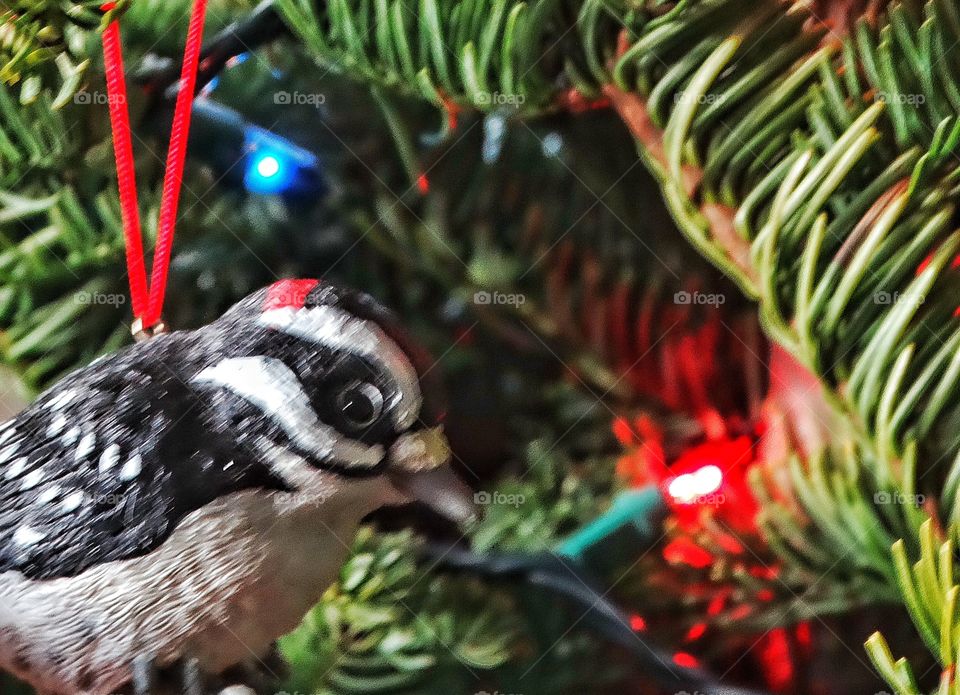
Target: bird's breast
x=233 y=576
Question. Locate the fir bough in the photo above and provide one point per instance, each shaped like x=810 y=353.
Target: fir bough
x=814 y=164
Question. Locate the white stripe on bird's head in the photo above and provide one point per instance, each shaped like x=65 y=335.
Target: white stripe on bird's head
x=339 y=330
x=274 y=389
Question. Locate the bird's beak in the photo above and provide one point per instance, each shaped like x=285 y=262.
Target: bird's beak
x=418 y=468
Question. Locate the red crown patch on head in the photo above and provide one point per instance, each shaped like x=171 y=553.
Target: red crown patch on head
x=289 y=293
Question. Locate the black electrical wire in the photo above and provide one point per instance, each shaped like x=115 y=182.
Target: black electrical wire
x=262 y=26
x=569 y=580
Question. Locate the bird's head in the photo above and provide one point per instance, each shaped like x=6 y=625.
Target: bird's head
x=337 y=377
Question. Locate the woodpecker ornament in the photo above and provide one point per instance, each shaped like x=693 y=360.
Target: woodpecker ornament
x=191 y=497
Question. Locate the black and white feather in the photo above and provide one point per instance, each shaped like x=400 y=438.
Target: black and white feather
x=192 y=495
x=104 y=465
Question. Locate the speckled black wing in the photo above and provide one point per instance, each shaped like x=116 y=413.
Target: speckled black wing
x=104 y=465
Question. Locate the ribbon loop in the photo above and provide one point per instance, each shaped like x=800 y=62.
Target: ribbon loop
x=148 y=302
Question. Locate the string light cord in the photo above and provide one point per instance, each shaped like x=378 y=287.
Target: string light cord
x=261 y=26
x=573 y=582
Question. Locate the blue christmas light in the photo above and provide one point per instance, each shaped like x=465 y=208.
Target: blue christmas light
x=273 y=164
x=269 y=163
x=268 y=172
x=268 y=166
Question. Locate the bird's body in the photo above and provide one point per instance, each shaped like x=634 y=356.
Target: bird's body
x=257 y=576
x=193 y=496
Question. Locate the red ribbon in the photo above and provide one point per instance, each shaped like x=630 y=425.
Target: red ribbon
x=147 y=304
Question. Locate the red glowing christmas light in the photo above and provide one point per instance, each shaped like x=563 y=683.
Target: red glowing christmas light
x=713 y=476
x=776 y=660
x=423 y=184
x=685 y=551
x=623 y=431
x=685 y=660
x=695 y=632
x=688 y=488
x=717 y=602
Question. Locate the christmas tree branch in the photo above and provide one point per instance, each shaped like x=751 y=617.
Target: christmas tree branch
x=837 y=153
x=836 y=164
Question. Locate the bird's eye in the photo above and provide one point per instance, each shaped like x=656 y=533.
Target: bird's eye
x=360 y=404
